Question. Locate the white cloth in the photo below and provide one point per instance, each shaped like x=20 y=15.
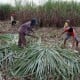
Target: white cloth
x=12 y=18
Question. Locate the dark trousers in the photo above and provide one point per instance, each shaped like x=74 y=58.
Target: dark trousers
x=22 y=40
x=13 y=23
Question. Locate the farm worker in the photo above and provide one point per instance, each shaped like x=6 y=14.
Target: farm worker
x=26 y=29
x=13 y=21
x=70 y=32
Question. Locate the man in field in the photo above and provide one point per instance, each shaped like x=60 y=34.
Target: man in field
x=70 y=32
x=26 y=29
x=13 y=20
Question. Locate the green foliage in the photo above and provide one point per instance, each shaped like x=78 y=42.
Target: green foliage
x=39 y=60
x=5 y=10
x=18 y=4
x=43 y=61
x=54 y=12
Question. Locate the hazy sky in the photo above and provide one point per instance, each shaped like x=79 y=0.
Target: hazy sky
x=13 y=1
x=36 y=1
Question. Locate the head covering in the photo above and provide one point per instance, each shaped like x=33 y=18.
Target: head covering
x=33 y=21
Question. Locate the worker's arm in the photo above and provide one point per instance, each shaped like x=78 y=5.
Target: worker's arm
x=62 y=33
x=28 y=34
x=66 y=30
x=30 y=29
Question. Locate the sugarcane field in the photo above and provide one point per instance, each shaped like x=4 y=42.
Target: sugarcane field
x=40 y=40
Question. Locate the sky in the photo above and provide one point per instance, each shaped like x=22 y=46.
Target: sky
x=13 y=1
x=36 y=1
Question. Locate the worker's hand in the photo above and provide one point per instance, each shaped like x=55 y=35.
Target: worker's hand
x=34 y=36
x=61 y=34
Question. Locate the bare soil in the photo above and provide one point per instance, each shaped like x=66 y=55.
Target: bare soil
x=47 y=34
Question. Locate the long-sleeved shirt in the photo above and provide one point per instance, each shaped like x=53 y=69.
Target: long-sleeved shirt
x=26 y=28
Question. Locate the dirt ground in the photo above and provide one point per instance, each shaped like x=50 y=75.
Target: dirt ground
x=6 y=27
x=47 y=34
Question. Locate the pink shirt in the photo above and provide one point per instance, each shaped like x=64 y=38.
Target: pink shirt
x=71 y=33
